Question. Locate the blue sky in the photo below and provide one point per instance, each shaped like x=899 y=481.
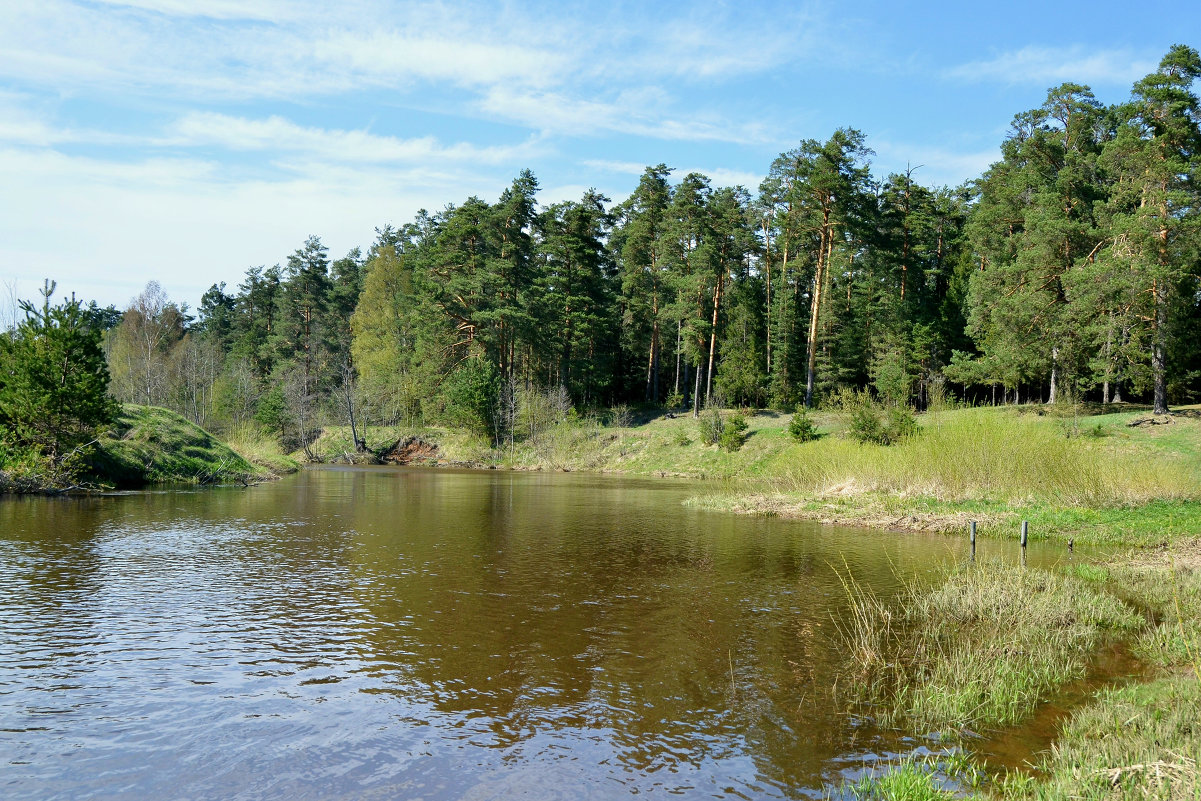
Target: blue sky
x=186 y=140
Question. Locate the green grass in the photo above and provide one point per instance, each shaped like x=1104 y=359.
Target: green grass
x=930 y=777
x=1168 y=586
x=983 y=649
x=997 y=455
x=910 y=780
x=148 y=444
x=992 y=643
x=1135 y=742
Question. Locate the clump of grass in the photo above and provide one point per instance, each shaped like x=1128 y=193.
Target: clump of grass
x=1168 y=585
x=981 y=650
x=932 y=777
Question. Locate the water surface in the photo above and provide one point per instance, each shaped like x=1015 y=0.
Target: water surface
x=408 y=633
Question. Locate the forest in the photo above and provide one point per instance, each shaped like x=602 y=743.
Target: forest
x=1068 y=271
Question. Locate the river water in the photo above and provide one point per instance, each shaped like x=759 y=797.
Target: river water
x=405 y=633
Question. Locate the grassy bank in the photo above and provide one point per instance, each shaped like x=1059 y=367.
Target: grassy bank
x=980 y=651
x=990 y=644
x=1095 y=479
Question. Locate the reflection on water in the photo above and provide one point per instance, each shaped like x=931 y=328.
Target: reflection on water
x=405 y=633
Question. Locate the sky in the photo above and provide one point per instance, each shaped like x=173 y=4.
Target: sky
x=185 y=141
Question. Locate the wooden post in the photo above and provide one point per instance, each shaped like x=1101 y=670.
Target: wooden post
x=1071 y=545
x=973 y=540
x=1025 y=536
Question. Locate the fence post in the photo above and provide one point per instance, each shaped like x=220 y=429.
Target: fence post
x=1025 y=536
x=973 y=535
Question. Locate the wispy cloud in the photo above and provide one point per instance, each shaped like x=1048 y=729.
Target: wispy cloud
x=1054 y=65
x=282 y=136
x=642 y=112
x=129 y=222
x=213 y=9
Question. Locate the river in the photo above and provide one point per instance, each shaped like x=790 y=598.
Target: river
x=363 y=633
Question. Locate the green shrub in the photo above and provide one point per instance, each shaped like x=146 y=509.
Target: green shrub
x=801 y=428
x=470 y=393
x=621 y=416
x=868 y=425
x=733 y=433
x=711 y=427
x=902 y=423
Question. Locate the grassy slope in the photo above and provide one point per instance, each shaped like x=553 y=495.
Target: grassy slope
x=149 y=444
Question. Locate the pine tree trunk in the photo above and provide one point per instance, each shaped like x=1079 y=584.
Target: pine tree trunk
x=814 y=308
x=679 y=329
x=1054 y=374
x=1159 y=350
x=713 y=341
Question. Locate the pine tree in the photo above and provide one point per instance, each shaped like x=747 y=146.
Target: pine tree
x=1154 y=213
x=53 y=378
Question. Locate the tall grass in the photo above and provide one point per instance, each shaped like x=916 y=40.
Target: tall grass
x=257 y=447
x=983 y=649
x=992 y=454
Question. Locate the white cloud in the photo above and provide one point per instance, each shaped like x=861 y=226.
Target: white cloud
x=103 y=229
x=640 y=112
x=213 y=9
x=281 y=135
x=1051 y=66
x=396 y=57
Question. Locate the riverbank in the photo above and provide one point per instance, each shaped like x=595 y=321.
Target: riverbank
x=1120 y=478
x=150 y=445
x=993 y=644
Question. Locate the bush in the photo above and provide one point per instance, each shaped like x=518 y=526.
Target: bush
x=867 y=424
x=711 y=427
x=470 y=393
x=801 y=428
x=902 y=423
x=733 y=433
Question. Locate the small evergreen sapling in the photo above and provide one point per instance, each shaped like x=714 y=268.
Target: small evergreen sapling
x=801 y=428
